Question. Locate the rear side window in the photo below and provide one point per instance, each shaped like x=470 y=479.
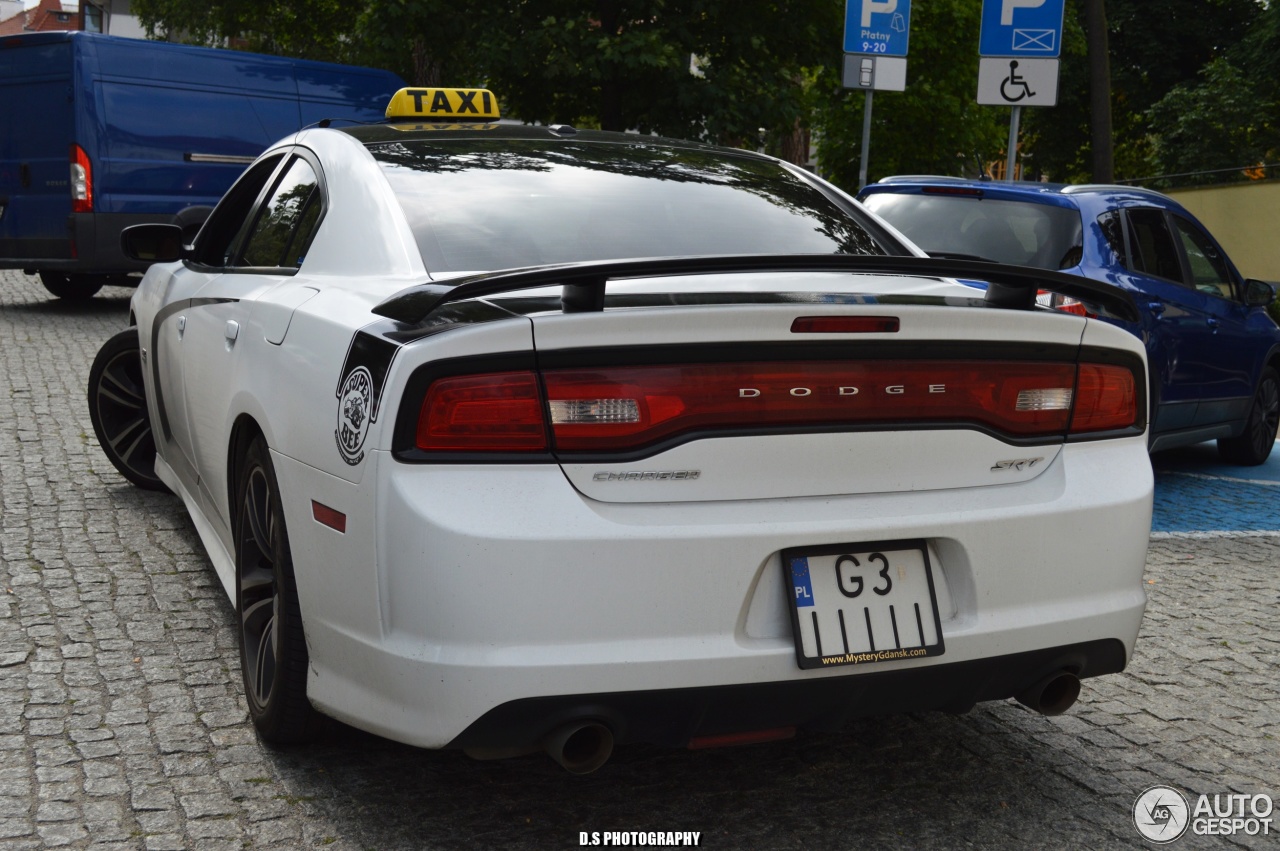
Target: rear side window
x=1153 y=249
x=229 y=219
x=286 y=224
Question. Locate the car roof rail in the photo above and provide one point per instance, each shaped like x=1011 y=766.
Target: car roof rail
x=1082 y=188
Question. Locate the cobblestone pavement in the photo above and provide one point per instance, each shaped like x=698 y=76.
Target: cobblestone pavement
x=123 y=726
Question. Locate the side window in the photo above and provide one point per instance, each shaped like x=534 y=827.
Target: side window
x=228 y=219
x=1112 y=226
x=1151 y=245
x=287 y=221
x=1209 y=272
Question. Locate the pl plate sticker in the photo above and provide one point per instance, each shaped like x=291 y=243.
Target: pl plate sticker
x=355 y=406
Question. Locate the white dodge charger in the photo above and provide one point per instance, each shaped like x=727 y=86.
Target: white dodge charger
x=505 y=437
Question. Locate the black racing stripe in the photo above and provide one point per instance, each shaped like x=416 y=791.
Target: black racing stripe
x=157 y=321
x=375 y=353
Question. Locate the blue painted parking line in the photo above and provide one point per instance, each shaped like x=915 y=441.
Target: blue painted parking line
x=1199 y=496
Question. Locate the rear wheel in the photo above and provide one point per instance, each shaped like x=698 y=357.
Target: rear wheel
x=71 y=287
x=1254 y=445
x=273 y=650
x=118 y=410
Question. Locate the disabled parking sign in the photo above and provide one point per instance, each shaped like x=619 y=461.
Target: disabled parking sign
x=1017 y=28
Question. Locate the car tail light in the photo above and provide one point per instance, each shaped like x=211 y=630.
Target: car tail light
x=496 y=412
x=81 y=181
x=1020 y=399
x=1106 y=398
x=627 y=408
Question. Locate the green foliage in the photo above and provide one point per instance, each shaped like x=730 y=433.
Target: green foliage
x=1218 y=122
x=935 y=126
x=1195 y=83
x=1153 y=49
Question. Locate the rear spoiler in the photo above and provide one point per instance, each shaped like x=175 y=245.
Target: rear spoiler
x=1012 y=287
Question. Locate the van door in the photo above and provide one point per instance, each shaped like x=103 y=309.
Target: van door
x=37 y=128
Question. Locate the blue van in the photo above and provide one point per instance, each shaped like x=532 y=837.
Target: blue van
x=98 y=133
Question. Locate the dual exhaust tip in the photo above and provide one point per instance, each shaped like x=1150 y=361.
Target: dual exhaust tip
x=581 y=747
x=1053 y=695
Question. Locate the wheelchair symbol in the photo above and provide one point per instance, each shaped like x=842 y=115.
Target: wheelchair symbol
x=1014 y=82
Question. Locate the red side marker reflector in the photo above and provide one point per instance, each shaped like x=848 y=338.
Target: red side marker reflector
x=845 y=325
x=751 y=737
x=330 y=517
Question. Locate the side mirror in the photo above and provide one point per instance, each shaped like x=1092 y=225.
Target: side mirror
x=1258 y=293
x=152 y=243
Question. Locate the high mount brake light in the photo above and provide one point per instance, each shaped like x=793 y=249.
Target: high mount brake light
x=81 y=181
x=953 y=190
x=627 y=408
x=845 y=325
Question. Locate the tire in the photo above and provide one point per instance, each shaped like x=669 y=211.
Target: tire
x=71 y=287
x=273 y=649
x=118 y=410
x=1254 y=445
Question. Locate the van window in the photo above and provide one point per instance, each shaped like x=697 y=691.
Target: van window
x=287 y=221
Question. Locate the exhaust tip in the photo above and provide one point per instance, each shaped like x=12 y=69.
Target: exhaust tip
x=1053 y=695
x=580 y=747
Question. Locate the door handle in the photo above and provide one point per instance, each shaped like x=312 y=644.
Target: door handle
x=231 y=331
x=182 y=326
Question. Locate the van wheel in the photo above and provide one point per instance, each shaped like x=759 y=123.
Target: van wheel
x=118 y=410
x=71 y=287
x=1254 y=445
x=273 y=649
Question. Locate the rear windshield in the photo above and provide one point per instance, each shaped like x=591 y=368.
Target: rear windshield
x=481 y=205
x=968 y=228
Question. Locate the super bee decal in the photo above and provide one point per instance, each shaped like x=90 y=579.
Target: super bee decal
x=359 y=393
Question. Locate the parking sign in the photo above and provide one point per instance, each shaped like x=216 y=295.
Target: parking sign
x=1022 y=28
x=880 y=27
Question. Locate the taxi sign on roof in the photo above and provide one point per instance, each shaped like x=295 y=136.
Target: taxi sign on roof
x=443 y=104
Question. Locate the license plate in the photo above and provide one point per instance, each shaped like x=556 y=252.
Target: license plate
x=857 y=603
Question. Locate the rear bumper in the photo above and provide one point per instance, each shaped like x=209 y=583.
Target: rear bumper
x=672 y=718
x=91 y=246
x=505 y=594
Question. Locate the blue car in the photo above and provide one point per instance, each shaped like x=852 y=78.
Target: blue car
x=1213 y=351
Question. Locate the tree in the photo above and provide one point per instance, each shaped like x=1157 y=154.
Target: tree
x=1152 y=50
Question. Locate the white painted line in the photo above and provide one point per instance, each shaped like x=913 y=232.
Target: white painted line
x=1259 y=533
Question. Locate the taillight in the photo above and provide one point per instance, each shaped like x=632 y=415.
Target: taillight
x=653 y=403
x=81 y=181
x=498 y=412
x=1106 y=398
x=627 y=408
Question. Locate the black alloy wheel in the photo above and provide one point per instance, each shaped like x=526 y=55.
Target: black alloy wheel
x=1254 y=445
x=273 y=649
x=118 y=410
x=71 y=287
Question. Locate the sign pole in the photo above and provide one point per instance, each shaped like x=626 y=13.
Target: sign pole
x=1011 y=160
x=866 y=142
